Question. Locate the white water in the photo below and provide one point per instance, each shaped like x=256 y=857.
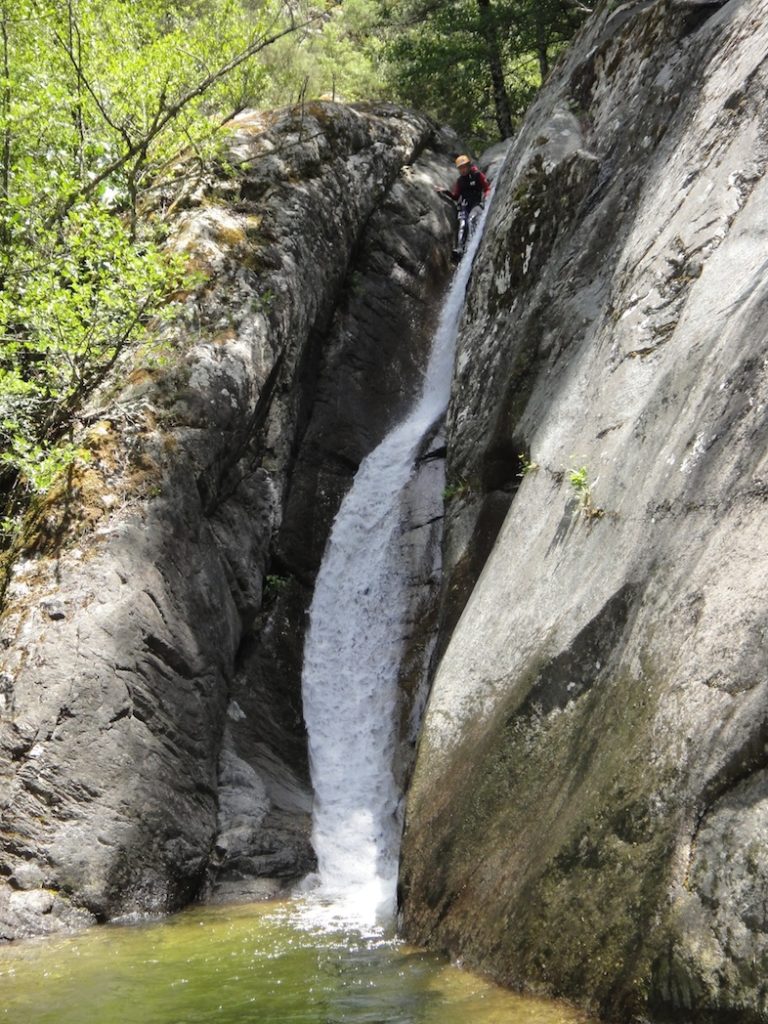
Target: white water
x=352 y=658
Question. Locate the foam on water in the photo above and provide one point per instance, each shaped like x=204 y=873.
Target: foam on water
x=352 y=659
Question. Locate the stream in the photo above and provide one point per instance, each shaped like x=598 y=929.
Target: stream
x=353 y=653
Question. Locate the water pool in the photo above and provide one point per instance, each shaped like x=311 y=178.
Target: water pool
x=248 y=964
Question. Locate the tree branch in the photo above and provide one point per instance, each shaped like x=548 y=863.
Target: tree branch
x=68 y=49
x=165 y=114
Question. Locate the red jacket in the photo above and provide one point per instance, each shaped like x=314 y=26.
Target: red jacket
x=473 y=186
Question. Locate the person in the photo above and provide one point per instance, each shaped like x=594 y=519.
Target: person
x=471 y=184
x=469 y=191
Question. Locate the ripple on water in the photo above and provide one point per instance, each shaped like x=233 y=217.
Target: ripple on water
x=257 y=964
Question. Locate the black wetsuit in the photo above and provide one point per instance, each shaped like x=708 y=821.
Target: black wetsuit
x=472 y=188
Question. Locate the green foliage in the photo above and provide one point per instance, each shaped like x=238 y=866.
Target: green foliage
x=440 y=56
x=527 y=466
x=456 y=489
x=341 y=62
x=274 y=581
x=438 y=65
x=97 y=97
x=98 y=100
x=275 y=587
x=39 y=466
x=70 y=305
x=263 y=303
x=579 y=480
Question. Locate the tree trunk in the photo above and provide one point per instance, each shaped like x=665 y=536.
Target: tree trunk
x=500 y=98
x=541 y=43
x=75 y=48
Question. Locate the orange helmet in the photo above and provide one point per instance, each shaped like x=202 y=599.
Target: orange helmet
x=461 y=160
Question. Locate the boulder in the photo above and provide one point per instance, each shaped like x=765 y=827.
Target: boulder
x=151 y=745
x=588 y=805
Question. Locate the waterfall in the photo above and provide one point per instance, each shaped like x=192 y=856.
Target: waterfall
x=352 y=657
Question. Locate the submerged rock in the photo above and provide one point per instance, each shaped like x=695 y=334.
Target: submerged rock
x=587 y=814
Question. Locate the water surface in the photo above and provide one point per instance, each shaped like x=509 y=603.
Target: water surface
x=254 y=964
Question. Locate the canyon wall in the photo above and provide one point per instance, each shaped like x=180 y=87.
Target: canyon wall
x=589 y=804
x=152 y=746
x=589 y=807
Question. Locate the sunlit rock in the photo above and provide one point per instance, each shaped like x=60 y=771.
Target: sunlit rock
x=588 y=807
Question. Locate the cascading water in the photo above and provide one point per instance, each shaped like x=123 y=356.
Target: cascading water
x=352 y=657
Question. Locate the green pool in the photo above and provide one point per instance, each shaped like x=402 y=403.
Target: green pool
x=242 y=965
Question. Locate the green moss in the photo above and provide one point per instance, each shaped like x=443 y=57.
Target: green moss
x=253 y=224
x=232 y=237
x=552 y=862
x=64 y=513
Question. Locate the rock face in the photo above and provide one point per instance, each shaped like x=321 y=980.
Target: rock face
x=589 y=807
x=151 y=742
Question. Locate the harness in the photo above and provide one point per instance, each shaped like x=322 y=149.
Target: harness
x=470 y=189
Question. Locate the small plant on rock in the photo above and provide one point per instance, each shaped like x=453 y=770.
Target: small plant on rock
x=275 y=583
x=527 y=465
x=457 y=489
x=263 y=303
x=579 y=480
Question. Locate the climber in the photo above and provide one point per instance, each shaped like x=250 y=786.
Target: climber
x=469 y=191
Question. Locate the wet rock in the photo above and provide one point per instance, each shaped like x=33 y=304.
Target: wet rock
x=718 y=943
x=586 y=813
x=38 y=911
x=356 y=383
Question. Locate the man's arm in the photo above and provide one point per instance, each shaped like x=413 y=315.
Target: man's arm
x=452 y=193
